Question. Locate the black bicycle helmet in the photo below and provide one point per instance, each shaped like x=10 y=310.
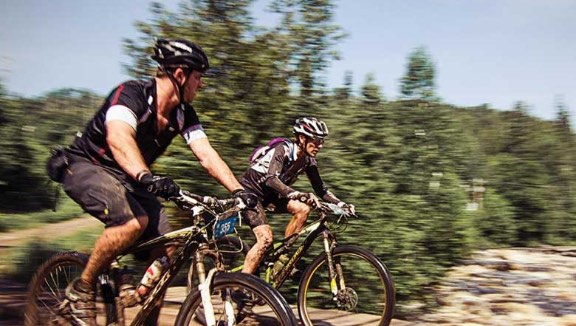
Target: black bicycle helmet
x=180 y=53
x=310 y=127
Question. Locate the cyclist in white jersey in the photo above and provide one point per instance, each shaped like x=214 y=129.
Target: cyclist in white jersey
x=270 y=177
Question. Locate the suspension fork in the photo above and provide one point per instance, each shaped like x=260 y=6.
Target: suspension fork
x=204 y=283
x=334 y=271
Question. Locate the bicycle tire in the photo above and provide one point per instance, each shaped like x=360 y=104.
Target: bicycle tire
x=47 y=287
x=235 y=257
x=368 y=286
x=272 y=308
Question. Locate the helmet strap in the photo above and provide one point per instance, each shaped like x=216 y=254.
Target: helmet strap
x=179 y=88
x=302 y=145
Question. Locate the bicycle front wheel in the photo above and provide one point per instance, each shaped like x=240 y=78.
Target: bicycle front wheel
x=365 y=291
x=249 y=300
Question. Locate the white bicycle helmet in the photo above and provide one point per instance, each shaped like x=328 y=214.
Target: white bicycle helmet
x=310 y=127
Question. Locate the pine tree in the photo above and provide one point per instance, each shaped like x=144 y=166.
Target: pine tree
x=310 y=34
x=418 y=83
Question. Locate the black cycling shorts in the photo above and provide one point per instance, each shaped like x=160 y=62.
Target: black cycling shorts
x=107 y=198
x=271 y=203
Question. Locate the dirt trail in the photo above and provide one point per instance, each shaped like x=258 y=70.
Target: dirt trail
x=19 y=237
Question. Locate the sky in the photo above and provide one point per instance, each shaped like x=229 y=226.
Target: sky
x=495 y=52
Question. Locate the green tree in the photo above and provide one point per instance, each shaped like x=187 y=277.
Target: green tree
x=345 y=92
x=371 y=92
x=310 y=37
x=495 y=221
x=562 y=116
x=20 y=184
x=419 y=80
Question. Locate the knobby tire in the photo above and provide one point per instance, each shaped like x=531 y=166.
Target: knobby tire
x=46 y=289
x=369 y=288
x=276 y=310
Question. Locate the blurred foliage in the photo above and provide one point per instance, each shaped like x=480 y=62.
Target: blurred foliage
x=26 y=260
x=65 y=209
x=409 y=166
x=418 y=82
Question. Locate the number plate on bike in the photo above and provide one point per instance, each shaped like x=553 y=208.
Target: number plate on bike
x=225 y=226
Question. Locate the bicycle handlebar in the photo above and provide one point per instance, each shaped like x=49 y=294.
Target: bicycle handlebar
x=187 y=200
x=324 y=207
x=329 y=208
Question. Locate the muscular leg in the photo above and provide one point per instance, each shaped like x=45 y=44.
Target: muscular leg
x=300 y=212
x=264 y=239
x=104 y=196
x=110 y=244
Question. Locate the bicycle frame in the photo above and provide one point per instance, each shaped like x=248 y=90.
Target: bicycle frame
x=189 y=241
x=310 y=233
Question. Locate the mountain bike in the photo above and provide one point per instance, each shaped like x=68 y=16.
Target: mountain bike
x=215 y=292
x=342 y=281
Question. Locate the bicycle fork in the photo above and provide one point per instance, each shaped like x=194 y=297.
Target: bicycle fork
x=335 y=272
x=204 y=282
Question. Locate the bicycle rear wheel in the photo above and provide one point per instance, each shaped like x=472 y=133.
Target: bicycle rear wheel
x=260 y=304
x=46 y=291
x=365 y=289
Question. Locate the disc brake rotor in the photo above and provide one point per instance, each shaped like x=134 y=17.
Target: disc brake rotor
x=347 y=299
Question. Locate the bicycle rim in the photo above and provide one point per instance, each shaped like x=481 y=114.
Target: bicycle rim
x=46 y=290
x=368 y=296
x=260 y=304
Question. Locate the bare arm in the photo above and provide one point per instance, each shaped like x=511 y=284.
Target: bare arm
x=213 y=164
x=121 y=139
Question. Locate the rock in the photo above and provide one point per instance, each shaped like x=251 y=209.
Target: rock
x=515 y=286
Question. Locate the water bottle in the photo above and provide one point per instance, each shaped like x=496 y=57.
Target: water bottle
x=151 y=277
x=279 y=264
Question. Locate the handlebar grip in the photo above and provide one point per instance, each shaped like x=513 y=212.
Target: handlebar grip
x=191 y=195
x=229 y=202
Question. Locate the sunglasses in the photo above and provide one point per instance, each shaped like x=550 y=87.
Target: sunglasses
x=317 y=141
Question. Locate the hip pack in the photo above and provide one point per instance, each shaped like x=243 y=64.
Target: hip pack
x=57 y=164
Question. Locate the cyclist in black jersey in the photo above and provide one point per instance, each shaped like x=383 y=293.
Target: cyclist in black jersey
x=109 y=164
x=270 y=177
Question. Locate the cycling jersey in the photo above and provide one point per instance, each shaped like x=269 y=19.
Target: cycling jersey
x=279 y=168
x=135 y=103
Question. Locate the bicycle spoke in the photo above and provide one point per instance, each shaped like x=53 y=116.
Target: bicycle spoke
x=48 y=288
x=364 y=290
